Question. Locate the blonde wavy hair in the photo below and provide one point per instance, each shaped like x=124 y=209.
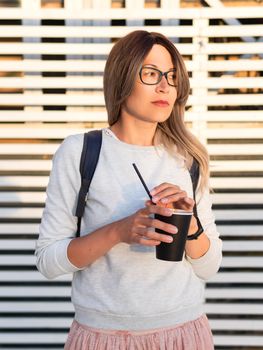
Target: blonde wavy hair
x=121 y=70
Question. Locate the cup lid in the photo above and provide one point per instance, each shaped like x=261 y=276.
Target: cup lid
x=181 y=212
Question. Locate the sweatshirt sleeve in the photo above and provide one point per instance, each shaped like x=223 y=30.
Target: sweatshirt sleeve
x=58 y=224
x=207 y=265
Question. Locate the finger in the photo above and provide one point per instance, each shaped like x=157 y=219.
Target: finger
x=189 y=201
x=157 y=224
x=152 y=235
x=162 y=187
x=185 y=204
x=166 y=195
x=157 y=209
x=148 y=203
x=175 y=197
x=146 y=242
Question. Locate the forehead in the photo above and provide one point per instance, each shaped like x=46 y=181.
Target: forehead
x=160 y=57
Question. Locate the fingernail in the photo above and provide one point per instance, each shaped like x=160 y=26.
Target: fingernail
x=152 y=192
x=155 y=199
x=169 y=239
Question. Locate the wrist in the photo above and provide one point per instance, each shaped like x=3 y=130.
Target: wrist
x=114 y=232
x=193 y=226
x=196 y=229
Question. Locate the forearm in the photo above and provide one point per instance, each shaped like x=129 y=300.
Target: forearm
x=83 y=251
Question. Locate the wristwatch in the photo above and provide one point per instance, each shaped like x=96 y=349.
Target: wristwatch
x=199 y=231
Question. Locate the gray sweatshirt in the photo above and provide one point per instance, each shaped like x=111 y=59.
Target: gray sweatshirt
x=128 y=288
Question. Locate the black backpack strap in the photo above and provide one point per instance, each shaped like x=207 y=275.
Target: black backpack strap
x=88 y=162
x=195 y=173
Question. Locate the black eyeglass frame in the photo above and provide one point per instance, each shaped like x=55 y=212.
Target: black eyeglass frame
x=161 y=74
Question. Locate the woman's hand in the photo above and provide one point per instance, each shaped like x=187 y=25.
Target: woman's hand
x=139 y=227
x=171 y=196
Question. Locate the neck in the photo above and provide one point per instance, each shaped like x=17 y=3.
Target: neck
x=136 y=132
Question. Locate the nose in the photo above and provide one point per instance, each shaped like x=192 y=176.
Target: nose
x=163 y=85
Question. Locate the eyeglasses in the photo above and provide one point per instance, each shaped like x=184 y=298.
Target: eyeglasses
x=153 y=76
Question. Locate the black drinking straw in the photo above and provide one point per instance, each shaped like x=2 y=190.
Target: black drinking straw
x=142 y=181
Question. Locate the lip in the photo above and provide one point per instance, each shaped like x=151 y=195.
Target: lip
x=161 y=103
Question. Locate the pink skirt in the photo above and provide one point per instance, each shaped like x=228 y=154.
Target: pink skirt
x=192 y=335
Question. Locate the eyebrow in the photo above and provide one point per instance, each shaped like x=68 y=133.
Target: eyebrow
x=154 y=65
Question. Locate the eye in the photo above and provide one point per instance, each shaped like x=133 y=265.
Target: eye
x=172 y=76
x=149 y=72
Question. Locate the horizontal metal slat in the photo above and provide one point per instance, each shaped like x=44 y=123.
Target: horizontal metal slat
x=35 y=322
x=30 y=276
x=139 y=13
x=237 y=198
x=21 y=228
x=233 y=293
x=88 y=98
x=236 y=183
x=58 y=116
x=35 y=291
x=239 y=215
x=68 y=31
x=234 y=309
x=53 y=83
x=41 y=131
x=237 y=277
x=236 y=325
x=236 y=149
x=234 y=133
x=28 y=149
x=23 y=181
x=38 y=48
x=22 y=197
x=237 y=340
x=236 y=165
x=84 y=31
x=23 y=165
x=241 y=230
x=37 y=65
x=227 y=116
x=36 y=306
x=43 y=338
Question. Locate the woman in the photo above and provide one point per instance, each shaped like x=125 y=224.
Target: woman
x=124 y=297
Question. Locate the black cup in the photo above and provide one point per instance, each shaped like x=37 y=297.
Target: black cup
x=174 y=251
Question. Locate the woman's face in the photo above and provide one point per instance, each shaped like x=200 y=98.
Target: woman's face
x=152 y=103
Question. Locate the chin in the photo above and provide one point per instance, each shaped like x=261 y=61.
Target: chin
x=162 y=119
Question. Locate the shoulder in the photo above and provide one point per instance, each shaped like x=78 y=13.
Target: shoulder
x=70 y=145
x=69 y=151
